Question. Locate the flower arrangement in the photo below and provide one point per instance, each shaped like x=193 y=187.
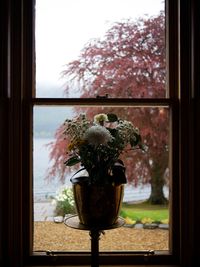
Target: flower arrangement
x=98 y=144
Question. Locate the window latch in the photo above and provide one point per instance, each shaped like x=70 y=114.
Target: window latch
x=102 y=96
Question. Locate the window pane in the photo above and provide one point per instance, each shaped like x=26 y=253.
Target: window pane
x=147 y=224
x=97 y=48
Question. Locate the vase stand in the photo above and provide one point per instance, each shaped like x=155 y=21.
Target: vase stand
x=94 y=232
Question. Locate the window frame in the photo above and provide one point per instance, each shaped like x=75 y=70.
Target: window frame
x=171 y=101
x=17 y=107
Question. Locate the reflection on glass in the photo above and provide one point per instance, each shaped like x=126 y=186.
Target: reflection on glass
x=145 y=203
x=90 y=48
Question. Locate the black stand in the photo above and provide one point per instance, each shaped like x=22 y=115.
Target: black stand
x=94 y=232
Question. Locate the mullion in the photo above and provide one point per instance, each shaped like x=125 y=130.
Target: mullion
x=103 y=102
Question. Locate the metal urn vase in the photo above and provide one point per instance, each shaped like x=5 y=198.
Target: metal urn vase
x=98 y=205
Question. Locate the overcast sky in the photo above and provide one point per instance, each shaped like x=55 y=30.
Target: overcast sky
x=63 y=27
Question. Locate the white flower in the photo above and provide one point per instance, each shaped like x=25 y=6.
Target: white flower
x=54 y=202
x=97 y=135
x=71 y=202
x=126 y=131
x=61 y=198
x=100 y=118
x=76 y=127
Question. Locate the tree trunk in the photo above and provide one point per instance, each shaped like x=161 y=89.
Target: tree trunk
x=157 y=183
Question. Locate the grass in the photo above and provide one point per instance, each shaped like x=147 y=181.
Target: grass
x=145 y=212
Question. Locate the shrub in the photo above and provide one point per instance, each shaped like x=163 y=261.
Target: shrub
x=64 y=201
x=129 y=221
x=146 y=220
x=165 y=221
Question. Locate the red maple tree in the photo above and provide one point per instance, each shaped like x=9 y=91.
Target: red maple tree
x=129 y=62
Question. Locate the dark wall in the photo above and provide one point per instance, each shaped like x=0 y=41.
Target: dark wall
x=190 y=187
x=3 y=122
x=196 y=87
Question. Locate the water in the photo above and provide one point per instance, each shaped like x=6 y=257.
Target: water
x=43 y=189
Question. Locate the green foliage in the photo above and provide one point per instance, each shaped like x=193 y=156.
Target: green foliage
x=112 y=117
x=72 y=161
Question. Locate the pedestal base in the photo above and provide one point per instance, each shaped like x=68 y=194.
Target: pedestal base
x=95 y=232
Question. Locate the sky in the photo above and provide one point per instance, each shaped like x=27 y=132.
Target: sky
x=63 y=27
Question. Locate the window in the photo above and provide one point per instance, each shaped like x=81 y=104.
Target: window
x=137 y=47
x=121 y=55
x=21 y=102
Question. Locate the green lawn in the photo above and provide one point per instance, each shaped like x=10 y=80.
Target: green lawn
x=142 y=212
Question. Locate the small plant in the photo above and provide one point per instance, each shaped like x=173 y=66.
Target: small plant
x=64 y=201
x=129 y=221
x=146 y=220
x=165 y=221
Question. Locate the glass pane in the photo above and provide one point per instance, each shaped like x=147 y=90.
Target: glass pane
x=110 y=48
x=145 y=207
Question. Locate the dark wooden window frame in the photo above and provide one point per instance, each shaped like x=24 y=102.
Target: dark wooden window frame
x=16 y=118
